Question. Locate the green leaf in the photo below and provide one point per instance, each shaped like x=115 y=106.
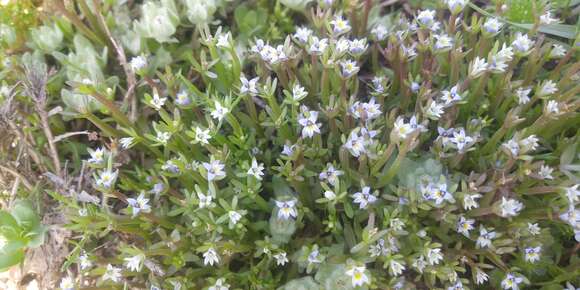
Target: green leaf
x=25 y=215
x=9 y=259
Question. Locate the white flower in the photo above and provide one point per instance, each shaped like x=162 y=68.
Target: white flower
x=126 y=142
x=511 y=281
x=157 y=102
x=298 y=92
x=420 y=264
x=523 y=95
x=339 y=25
x=547 y=88
x=547 y=18
x=330 y=174
x=510 y=207
x=67 y=283
x=434 y=111
x=470 y=201
x=557 y=51
x=485 y=238
x=358 y=46
x=451 y=96
x=215 y=170
x=201 y=136
x=302 y=34
x=219 y=111
x=443 y=42
x=256 y=170
x=138 y=63
x=286 y=209
x=359 y=140
x=234 y=216
x=455 y=6
x=140 y=204
x=552 y=108
x=396 y=224
x=348 y=68
x=498 y=62
x=220 y=284
x=396 y=268
x=529 y=144
x=357 y=275
x=477 y=67
x=307 y=119
x=97 y=156
x=522 y=43
x=380 y=32
x=534 y=229
x=112 y=273
x=480 y=276
x=134 y=263
x=182 y=99
x=210 y=257
x=107 y=178
x=317 y=46
x=281 y=259
x=313 y=257
x=204 y=200
x=434 y=256
x=465 y=225
x=163 y=137
x=288 y=150
x=223 y=39
x=457 y=286
x=401 y=129
x=492 y=26
x=249 y=86
x=460 y=140
x=572 y=193
x=84 y=262
x=342 y=46
x=329 y=195
x=513 y=147
x=532 y=254
x=364 y=197
x=545 y=172
x=426 y=18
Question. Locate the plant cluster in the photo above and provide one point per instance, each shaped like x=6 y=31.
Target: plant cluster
x=337 y=145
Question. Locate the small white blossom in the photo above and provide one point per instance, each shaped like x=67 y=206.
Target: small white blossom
x=286 y=209
x=330 y=174
x=348 y=68
x=210 y=257
x=434 y=111
x=434 y=256
x=84 y=261
x=340 y=25
x=97 y=156
x=204 y=200
x=134 y=263
x=461 y=140
x=532 y=254
x=522 y=44
x=107 y=178
x=223 y=40
x=545 y=172
x=257 y=169
x=281 y=259
x=329 y=195
x=396 y=268
x=215 y=170
x=477 y=67
x=455 y=6
x=182 y=99
x=317 y=46
x=572 y=193
x=234 y=216
x=534 y=229
x=201 y=136
x=364 y=197
x=523 y=95
x=557 y=51
x=443 y=42
x=511 y=281
x=219 y=111
x=157 y=102
x=510 y=207
x=547 y=88
x=358 y=46
x=67 y=283
x=139 y=204
x=220 y=284
x=451 y=96
x=249 y=86
x=465 y=225
x=163 y=137
x=485 y=238
x=552 y=108
x=492 y=26
x=112 y=273
x=358 y=276
x=302 y=34
x=307 y=119
x=480 y=277
x=420 y=264
x=137 y=63
x=126 y=142
x=470 y=201
x=426 y=18
x=380 y=32
x=547 y=18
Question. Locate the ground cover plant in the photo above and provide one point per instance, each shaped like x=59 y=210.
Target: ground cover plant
x=292 y=144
